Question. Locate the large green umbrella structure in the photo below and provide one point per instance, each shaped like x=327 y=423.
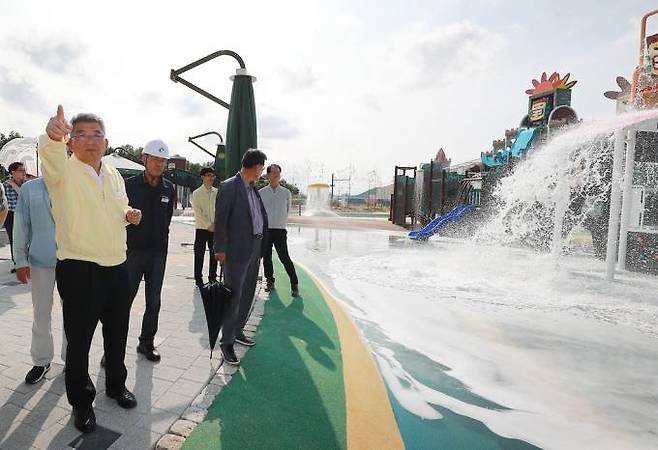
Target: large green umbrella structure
x=241 y=127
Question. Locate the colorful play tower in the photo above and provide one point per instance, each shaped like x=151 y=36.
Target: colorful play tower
x=549 y=108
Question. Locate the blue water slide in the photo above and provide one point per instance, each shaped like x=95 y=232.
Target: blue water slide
x=435 y=225
x=518 y=148
x=523 y=141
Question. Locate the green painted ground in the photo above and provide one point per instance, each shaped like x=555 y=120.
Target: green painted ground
x=289 y=392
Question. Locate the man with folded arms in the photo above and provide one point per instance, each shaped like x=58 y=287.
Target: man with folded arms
x=91 y=211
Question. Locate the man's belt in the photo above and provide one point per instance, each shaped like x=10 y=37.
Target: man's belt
x=258 y=236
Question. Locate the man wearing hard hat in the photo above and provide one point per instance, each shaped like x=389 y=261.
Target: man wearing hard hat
x=147 y=241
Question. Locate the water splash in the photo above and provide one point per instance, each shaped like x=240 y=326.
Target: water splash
x=317 y=201
x=560 y=185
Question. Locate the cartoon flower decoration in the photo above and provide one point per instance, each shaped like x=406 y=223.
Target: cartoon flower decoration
x=547 y=83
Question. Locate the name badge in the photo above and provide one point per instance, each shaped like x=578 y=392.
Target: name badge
x=164 y=199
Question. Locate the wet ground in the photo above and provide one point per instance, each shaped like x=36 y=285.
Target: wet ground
x=489 y=347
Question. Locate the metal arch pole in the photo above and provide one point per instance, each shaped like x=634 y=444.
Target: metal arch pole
x=191 y=141
x=221 y=139
x=174 y=75
x=626 y=197
x=615 y=205
x=201 y=148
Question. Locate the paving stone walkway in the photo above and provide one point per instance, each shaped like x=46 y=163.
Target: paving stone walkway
x=183 y=383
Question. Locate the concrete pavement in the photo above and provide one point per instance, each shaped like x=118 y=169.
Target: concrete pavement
x=183 y=383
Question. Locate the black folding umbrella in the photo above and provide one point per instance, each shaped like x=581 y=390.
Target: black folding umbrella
x=216 y=297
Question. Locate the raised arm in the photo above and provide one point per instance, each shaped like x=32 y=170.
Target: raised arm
x=52 y=149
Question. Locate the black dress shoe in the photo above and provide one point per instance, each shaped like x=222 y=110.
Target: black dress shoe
x=199 y=283
x=229 y=355
x=149 y=352
x=84 y=419
x=244 y=340
x=125 y=398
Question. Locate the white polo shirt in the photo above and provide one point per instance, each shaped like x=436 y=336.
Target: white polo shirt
x=277 y=204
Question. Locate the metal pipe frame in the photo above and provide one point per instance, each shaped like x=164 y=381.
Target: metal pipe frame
x=191 y=140
x=615 y=205
x=174 y=75
x=626 y=198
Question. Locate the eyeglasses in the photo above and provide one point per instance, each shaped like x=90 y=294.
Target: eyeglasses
x=89 y=137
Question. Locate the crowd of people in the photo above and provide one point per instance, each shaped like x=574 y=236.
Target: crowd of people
x=83 y=229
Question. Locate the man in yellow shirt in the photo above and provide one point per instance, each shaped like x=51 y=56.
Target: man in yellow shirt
x=203 y=204
x=90 y=209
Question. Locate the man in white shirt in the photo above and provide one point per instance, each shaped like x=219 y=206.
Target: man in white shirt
x=277 y=201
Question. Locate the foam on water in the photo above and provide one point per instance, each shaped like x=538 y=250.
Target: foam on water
x=571 y=359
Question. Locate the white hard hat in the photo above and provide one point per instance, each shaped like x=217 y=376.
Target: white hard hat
x=157 y=148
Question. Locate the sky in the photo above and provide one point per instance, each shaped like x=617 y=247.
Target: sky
x=351 y=88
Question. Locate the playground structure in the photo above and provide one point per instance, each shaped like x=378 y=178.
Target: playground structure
x=433 y=196
x=634 y=203
x=632 y=206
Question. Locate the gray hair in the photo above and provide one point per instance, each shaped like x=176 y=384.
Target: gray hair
x=88 y=118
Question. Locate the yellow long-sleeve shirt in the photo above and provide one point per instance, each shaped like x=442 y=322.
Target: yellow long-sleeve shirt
x=90 y=222
x=203 y=204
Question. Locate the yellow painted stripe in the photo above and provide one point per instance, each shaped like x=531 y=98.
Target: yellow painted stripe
x=371 y=423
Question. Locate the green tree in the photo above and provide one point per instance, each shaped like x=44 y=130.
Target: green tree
x=127 y=151
x=195 y=168
x=262 y=182
x=4 y=138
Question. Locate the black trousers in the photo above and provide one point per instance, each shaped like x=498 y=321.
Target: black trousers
x=151 y=267
x=203 y=239
x=241 y=278
x=90 y=293
x=279 y=239
x=9 y=226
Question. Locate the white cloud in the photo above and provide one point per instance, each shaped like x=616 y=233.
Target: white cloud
x=52 y=53
x=276 y=127
x=297 y=80
x=19 y=93
x=372 y=102
x=450 y=52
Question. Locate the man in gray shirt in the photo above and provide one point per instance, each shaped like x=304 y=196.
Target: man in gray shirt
x=277 y=200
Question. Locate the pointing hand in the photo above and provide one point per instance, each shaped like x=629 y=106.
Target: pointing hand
x=58 y=126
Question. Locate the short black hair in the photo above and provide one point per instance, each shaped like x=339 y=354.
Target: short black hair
x=253 y=157
x=206 y=170
x=15 y=165
x=269 y=168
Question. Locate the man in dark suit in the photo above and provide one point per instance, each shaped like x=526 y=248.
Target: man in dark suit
x=240 y=221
